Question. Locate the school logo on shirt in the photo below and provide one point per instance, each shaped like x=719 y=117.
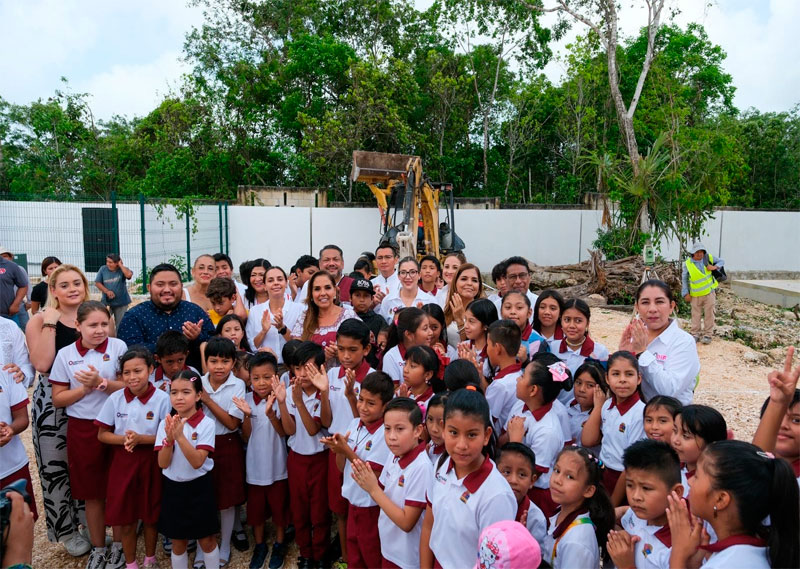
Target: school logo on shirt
x=440 y=478
x=647 y=549
x=194 y=435
x=622 y=427
x=465 y=496
x=368 y=446
x=661 y=358
x=149 y=416
x=401 y=482
x=106 y=358
x=74 y=362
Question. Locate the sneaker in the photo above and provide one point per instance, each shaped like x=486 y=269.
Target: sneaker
x=339 y=564
x=84 y=531
x=115 y=558
x=151 y=565
x=277 y=556
x=167 y=544
x=259 y=556
x=199 y=565
x=76 y=545
x=706 y=340
x=696 y=338
x=239 y=540
x=303 y=563
x=97 y=559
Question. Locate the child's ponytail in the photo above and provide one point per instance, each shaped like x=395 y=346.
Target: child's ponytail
x=550 y=373
x=761 y=486
x=405 y=320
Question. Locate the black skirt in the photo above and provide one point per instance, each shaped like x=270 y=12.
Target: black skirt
x=188 y=509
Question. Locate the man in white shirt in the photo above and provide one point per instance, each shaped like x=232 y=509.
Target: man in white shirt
x=387 y=280
x=518 y=279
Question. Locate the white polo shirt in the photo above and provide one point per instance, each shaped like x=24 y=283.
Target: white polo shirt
x=369 y=443
x=73 y=358
x=406 y=481
x=463 y=508
x=622 y=426
x=342 y=413
x=390 y=283
x=670 y=365
x=124 y=411
x=737 y=551
x=563 y=416
x=655 y=543
x=575 y=358
x=577 y=546
x=163 y=382
x=502 y=394
x=392 y=303
x=223 y=396
x=266 y=450
x=273 y=340
x=543 y=434
x=14 y=351
x=577 y=418
x=498 y=302
x=199 y=431
x=393 y=362
x=536 y=521
x=13 y=396
x=301 y=442
x=434 y=452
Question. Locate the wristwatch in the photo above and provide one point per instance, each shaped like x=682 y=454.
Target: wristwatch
x=282 y=331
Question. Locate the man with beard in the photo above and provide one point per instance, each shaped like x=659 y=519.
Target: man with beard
x=165 y=310
x=331 y=259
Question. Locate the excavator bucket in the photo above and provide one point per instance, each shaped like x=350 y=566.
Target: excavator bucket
x=377 y=167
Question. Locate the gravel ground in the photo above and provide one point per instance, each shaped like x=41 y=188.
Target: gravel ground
x=728 y=382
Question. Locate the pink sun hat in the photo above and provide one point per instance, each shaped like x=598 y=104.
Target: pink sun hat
x=507 y=545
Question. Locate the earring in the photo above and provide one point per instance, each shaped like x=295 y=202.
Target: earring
x=715 y=512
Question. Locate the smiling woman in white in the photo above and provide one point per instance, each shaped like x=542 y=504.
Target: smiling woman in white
x=408 y=294
x=269 y=324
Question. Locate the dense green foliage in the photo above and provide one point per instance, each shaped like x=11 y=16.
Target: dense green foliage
x=282 y=92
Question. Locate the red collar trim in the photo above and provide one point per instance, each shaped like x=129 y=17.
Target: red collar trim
x=144 y=397
x=195 y=419
x=372 y=427
x=796 y=467
x=522 y=508
x=423 y=397
x=474 y=480
x=436 y=449
x=526 y=333
x=361 y=370
x=159 y=373
x=257 y=399
x=402 y=349
x=664 y=536
x=562 y=527
x=586 y=348
x=83 y=351
x=507 y=371
x=734 y=540
x=540 y=412
x=409 y=457
x=559 y=333
x=624 y=407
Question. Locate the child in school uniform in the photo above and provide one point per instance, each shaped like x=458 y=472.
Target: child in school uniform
x=128 y=422
x=184 y=441
x=533 y=422
x=420 y=371
x=577 y=346
x=307 y=463
x=479 y=315
x=517 y=463
x=364 y=439
x=84 y=374
x=410 y=328
x=589 y=377
x=517 y=307
x=468 y=493
x=220 y=386
x=502 y=346
x=547 y=315
x=737 y=485
x=652 y=473
x=617 y=422
x=267 y=484
x=438 y=326
x=403 y=484
x=577 y=532
x=172 y=349
x=344 y=385
x=696 y=427
x=434 y=427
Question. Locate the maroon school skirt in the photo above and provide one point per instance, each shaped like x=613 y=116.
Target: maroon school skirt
x=228 y=471
x=610 y=477
x=134 y=487
x=22 y=474
x=87 y=460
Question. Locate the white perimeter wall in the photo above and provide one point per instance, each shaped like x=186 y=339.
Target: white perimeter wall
x=747 y=240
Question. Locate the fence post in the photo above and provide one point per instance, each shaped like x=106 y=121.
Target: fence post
x=227 y=240
x=188 y=244
x=221 y=245
x=144 y=249
x=115 y=221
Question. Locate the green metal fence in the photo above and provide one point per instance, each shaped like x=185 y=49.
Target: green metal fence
x=144 y=232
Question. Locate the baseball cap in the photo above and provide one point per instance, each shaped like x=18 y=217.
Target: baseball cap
x=697 y=246
x=4 y=251
x=507 y=545
x=362 y=284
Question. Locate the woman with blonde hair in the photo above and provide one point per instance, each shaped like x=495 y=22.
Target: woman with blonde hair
x=47 y=332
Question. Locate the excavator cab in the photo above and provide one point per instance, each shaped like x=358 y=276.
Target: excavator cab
x=408 y=203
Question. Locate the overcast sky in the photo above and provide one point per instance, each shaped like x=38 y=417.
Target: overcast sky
x=127 y=54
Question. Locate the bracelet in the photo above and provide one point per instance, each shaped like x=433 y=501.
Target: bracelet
x=48 y=325
x=166 y=443
x=102 y=386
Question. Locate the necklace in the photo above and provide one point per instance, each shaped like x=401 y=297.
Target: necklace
x=573 y=346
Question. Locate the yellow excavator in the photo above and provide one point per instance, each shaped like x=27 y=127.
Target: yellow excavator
x=409 y=204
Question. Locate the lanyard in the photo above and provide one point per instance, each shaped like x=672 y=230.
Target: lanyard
x=576 y=522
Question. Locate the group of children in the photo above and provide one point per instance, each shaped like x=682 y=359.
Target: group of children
x=418 y=459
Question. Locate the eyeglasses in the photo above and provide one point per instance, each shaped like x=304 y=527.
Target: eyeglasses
x=413 y=273
x=518 y=276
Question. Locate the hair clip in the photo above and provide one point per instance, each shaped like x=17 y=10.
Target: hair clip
x=595 y=459
x=765 y=454
x=470 y=388
x=559 y=371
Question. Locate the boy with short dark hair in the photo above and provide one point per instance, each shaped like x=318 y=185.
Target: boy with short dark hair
x=111 y=280
x=502 y=344
x=224 y=299
x=652 y=472
x=172 y=349
x=517 y=463
x=362 y=294
x=364 y=440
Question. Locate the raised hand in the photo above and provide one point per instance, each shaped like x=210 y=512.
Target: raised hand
x=269 y=410
x=364 y=476
x=331 y=350
x=279 y=390
x=599 y=397
x=89 y=378
x=242 y=405
x=516 y=429
x=402 y=391
x=337 y=442
x=687 y=533
x=278 y=317
x=457 y=308
x=191 y=330
x=620 y=547
x=266 y=321
x=782 y=383
x=317 y=376
x=350 y=383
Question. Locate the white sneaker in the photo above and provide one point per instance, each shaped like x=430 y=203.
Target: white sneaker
x=97 y=559
x=115 y=558
x=76 y=545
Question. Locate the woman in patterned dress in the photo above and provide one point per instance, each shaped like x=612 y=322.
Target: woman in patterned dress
x=46 y=333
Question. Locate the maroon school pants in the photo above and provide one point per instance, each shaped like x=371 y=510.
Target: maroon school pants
x=363 y=540
x=308 y=496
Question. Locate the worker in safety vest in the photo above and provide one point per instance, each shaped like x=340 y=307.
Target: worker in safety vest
x=699 y=288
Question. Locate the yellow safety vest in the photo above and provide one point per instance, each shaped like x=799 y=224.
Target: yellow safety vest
x=700 y=283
